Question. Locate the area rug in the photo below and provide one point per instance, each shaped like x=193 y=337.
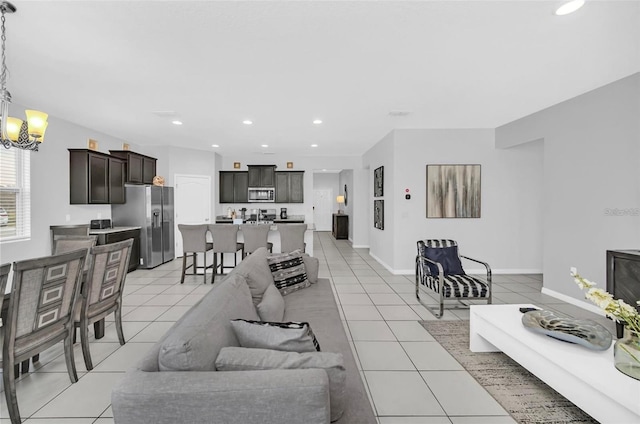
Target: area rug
x=528 y=399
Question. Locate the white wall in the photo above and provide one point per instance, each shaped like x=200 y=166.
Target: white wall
x=508 y=233
x=591 y=167
x=382 y=242
x=346 y=179
x=360 y=219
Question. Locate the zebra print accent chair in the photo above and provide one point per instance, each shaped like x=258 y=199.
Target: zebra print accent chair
x=439 y=268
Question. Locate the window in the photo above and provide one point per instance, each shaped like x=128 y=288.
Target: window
x=15 y=194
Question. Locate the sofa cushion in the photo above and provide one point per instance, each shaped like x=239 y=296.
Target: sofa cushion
x=311 y=266
x=194 y=341
x=288 y=272
x=271 y=308
x=243 y=359
x=287 y=336
x=255 y=269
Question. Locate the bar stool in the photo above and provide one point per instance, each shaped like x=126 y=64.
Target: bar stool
x=194 y=241
x=255 y=236
x=292 y=237
x=225 y=240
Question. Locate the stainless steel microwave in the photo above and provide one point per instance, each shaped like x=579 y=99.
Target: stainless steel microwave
x=262 y=194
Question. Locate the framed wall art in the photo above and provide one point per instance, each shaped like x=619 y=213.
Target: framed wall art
x=453 y=191
x=378 y=182
x=378 y=214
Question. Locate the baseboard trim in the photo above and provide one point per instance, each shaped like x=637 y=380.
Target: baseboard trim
x=572 y=300
x=360 y=246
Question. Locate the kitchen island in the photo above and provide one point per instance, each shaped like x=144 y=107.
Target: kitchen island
x=274 y=236
x=116 y=234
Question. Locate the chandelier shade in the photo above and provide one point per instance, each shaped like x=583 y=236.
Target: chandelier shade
x=15 y=132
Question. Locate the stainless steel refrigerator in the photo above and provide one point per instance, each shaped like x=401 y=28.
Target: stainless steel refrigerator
x=151 y=209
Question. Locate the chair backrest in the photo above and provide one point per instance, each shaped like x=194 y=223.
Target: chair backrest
x=105 y=281
x=43 y=295
x=68 y=230
x=64 y=244
x=291 y=237
x=225 y=237
x=255 y=236
x=4 y=277
x=194 y=237
x=443 y=251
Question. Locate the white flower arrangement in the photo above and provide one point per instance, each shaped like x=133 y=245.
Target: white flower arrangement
x=616 y=309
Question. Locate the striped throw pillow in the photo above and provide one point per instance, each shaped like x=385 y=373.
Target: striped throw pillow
x=288 y=271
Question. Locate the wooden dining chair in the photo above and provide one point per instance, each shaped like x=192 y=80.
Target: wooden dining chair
x=43 y=296
x=101 y=293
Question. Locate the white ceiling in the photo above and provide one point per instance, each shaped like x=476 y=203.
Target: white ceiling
x=452 y=64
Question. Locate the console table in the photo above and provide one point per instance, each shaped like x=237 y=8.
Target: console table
x=340 y=229
x=586 y=377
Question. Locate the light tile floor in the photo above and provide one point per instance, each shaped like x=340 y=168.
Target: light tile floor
x=410 y=378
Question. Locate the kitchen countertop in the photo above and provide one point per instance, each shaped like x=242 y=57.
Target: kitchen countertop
x=96 y=231
x=291 y=219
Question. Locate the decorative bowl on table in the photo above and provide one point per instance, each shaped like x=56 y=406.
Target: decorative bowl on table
x=584 y=332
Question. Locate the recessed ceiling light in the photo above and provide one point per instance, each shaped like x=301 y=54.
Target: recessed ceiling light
x=265 y=145
x=569 y=7
x=317 y=121
x=324 y=170
x=247 y=122
x=215 y=145
x=176 y=122
x=314 y=145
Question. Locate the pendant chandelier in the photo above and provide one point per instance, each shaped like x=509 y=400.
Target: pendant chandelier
x=15 y=132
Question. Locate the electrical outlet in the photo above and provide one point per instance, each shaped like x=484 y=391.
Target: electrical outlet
x=67 y=217
x=99 y=215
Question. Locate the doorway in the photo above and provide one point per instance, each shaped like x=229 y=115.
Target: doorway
x=192 y=203
x=322 y=209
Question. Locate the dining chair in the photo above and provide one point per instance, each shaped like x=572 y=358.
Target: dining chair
x=255 y=236
x=41 y=306
x=194 y=241
x=68 y=230
x=292 y=237
x=69 y=243
x=101 y=293
x=225 y=240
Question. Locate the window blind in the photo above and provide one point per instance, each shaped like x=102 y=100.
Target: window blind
x=15 y=194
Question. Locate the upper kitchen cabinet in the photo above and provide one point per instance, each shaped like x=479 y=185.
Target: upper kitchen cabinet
x=95 y=178
x=140 y=169
x=290 y=187
x=234 y=186
x=262 y=175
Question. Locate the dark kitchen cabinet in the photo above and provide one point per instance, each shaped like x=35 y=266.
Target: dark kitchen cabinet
x=140 y=169
x=262 y=175
x=340 y=229
x=290 y=187
x=233 y=187
x=95 y=178
x=117 y=178
x=116 y=236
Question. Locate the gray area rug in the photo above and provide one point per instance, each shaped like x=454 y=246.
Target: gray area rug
x=528 y=399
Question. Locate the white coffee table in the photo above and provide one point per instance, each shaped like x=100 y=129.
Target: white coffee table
x=588 y=378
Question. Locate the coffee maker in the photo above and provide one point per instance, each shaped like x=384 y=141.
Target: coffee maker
x=283 y=213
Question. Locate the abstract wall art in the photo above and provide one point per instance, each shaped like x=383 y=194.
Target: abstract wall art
x=453 y=191
x=378 y=182
x=378 y=214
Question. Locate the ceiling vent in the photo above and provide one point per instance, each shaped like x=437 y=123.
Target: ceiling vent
x=395 y=113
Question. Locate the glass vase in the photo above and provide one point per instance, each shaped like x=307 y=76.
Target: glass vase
x=626 y=353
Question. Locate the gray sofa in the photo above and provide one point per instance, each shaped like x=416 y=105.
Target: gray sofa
x=149 y=393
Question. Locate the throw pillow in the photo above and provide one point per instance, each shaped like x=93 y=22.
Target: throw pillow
x=287 y=336
x=288 y=272
x=243 y=359
x=271 y=308
x=447 y=257
x=255 y=269
x=312 y=266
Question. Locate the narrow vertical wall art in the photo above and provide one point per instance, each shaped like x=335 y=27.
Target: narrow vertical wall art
x=378 y=182
x=378 y=214
x=453 y=191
